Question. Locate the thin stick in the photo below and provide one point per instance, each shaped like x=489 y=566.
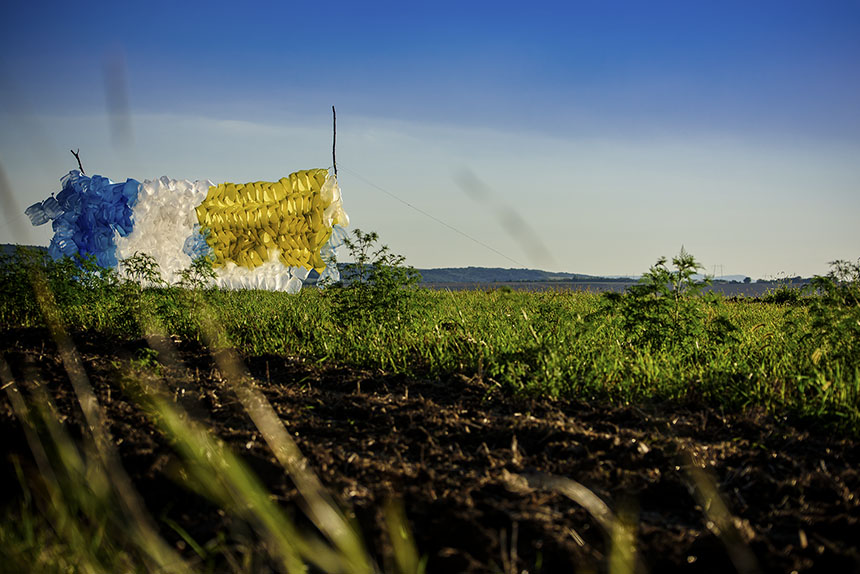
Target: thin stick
x=333 y=138
x=77 y=155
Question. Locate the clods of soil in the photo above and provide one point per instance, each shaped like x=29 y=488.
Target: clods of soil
x=488 y=482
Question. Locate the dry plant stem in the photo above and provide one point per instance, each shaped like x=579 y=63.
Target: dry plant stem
x=509 y=552
x=77 y=155
x=333 y=139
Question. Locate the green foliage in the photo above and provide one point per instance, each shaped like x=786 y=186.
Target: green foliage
x=141 y=274
x=668 y=310
x=198 y=275
x=142 y=270
x=783 y=294
x=75 y=282
x=835 y=314
x=376 y=284
x=16 y=292
x=93 y=297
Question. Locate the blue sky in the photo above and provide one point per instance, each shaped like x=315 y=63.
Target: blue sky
x=588 y=137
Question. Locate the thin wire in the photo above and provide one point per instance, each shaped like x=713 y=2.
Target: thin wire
x=16 y=218
x=434 y=218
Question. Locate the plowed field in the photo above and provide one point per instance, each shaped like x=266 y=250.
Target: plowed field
x=489 y=482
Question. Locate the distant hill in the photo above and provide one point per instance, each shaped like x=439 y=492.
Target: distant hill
x=501 y=275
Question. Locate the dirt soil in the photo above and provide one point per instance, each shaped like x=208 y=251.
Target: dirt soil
x=482 y=475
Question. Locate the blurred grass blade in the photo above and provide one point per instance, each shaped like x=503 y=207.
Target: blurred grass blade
x=406 y=559
x=619 y=532
x=142 y=526
x=223 y=477
x=83 y=505
x=720 y=520
x=575 y=491
x=623 y=557
x=321 y=509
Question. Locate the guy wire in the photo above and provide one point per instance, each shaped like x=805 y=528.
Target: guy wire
x=434 y=218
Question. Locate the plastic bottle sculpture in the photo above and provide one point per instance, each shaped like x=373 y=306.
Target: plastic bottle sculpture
x=259 y=235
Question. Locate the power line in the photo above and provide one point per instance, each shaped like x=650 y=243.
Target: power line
x=434 y=218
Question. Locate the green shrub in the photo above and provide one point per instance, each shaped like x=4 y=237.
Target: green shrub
x=198 y=275
x=377 y=284
x=783 y=294
x=75 y=283
x=668 y=309
x=835 y=313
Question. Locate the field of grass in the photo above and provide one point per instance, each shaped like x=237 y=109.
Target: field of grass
x=793 y=356
x=798 y=358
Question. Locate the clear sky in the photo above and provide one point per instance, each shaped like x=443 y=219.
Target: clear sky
x=581 y=136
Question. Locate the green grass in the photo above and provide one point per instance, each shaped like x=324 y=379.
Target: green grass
x=729 y=354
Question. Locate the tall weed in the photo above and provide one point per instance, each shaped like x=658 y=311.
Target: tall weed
x=668 y=310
